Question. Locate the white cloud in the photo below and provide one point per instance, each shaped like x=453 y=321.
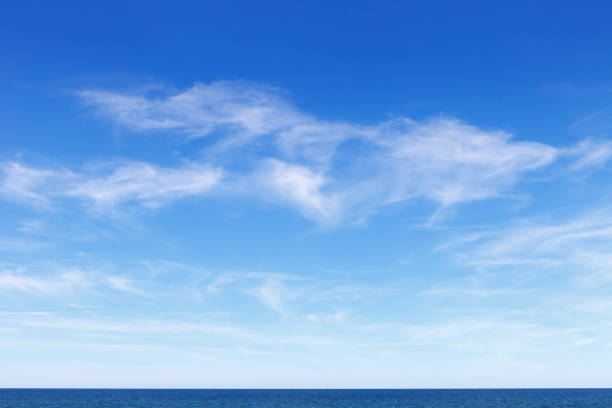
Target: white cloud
x=59 y=280
x=301 y=187
x=515 y=259
x=22 y=183
x=123 y=284
x=590 y=153
x=334 y=171
x=450 y=162
x=220 y=282
x=544 y=266
x=109 y=185
x=240 y=107
x=330 y=171
x=543 y=240
x=21 y=281
x=147 y=184
x=269 y=288
x=271 y=293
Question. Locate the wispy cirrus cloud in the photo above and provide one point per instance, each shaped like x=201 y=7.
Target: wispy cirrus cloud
x=61 y=281
x=17 y=281
x=512 y=260
x=22 y=183
x=332 y=172
x=292 y=295
x=550 y=266
x=590 y=153
x=269 y=288
x=538 y=241
x=301 y=187
x=145 y=183
x=108 y=185
x=236 y=106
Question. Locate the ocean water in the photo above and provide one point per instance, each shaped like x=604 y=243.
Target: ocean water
x=107 y=398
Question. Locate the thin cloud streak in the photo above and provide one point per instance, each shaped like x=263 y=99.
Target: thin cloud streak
x=61 y=281
x=108 y=186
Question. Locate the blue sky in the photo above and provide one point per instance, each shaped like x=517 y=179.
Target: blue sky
x=282 y=194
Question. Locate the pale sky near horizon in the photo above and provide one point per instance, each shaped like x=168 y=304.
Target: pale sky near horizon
x=306 y=194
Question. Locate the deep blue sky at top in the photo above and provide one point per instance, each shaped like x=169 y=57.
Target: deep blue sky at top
x=495 y=64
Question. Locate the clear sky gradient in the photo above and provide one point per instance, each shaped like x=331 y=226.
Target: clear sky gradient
x=305 y=194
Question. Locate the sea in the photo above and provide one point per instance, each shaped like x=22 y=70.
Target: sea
x=140 y=398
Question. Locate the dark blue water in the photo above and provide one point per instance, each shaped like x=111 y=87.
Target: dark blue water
x=56 y=398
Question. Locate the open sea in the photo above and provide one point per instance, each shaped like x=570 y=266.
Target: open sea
x=473 y=398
